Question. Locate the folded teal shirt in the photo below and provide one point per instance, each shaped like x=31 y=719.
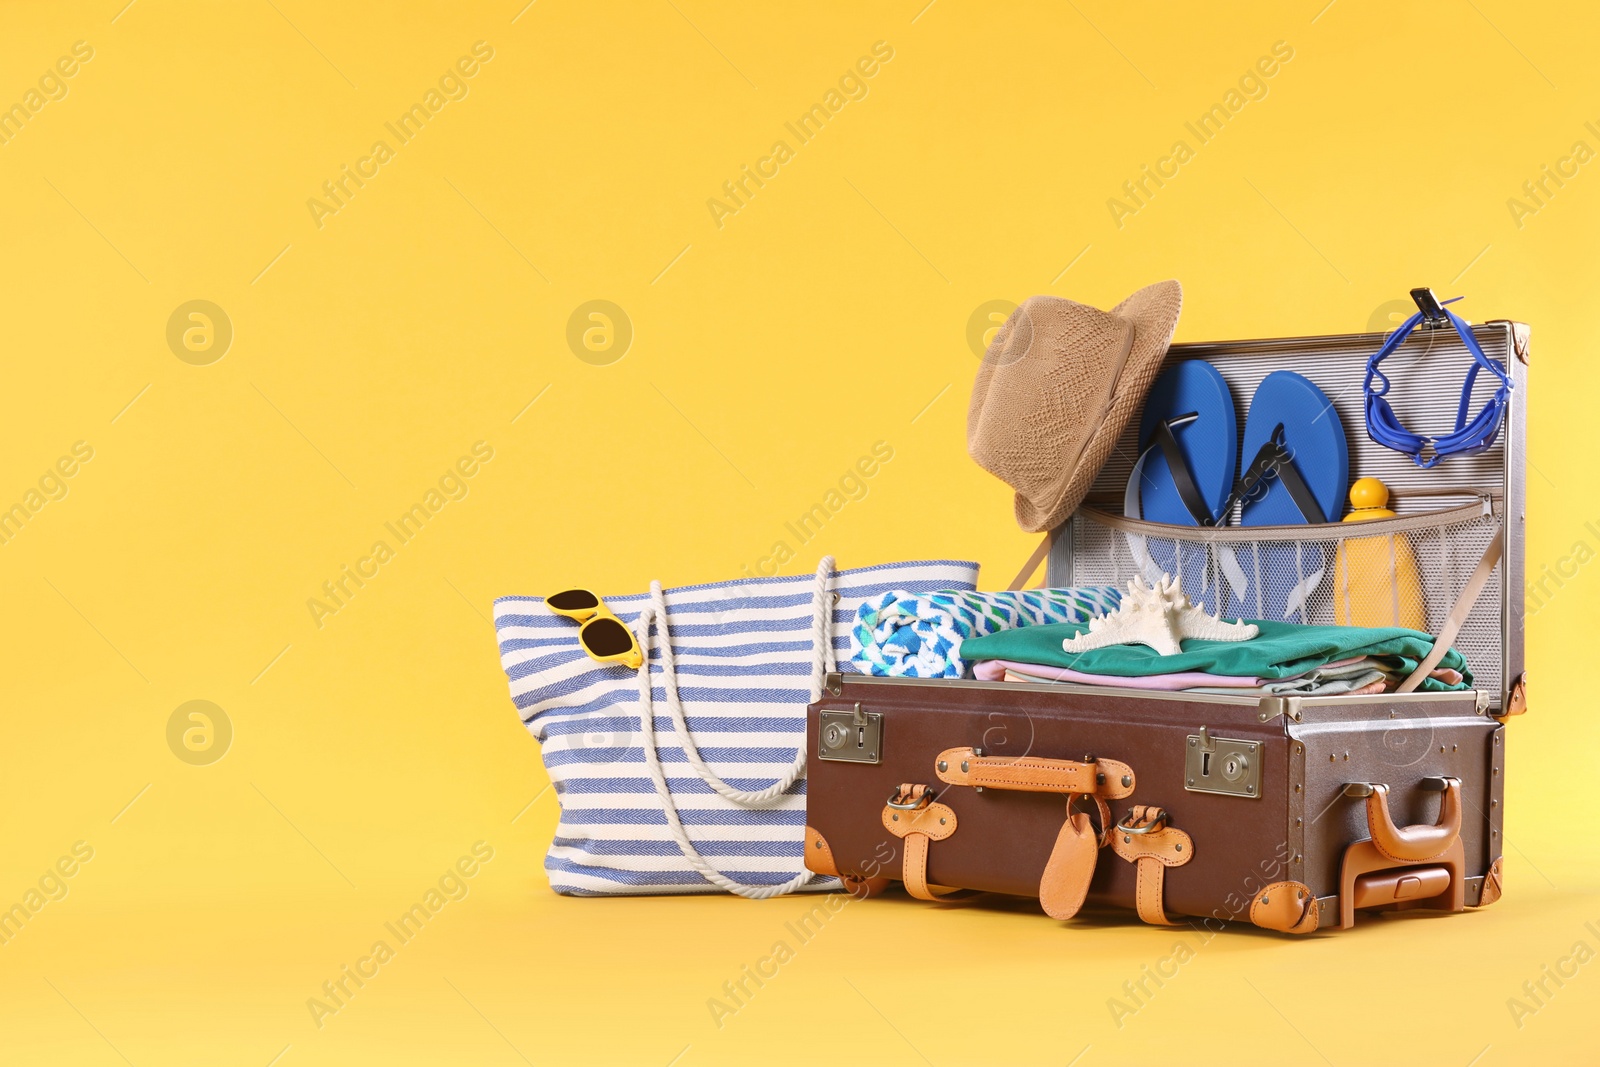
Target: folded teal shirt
x=1280 y=650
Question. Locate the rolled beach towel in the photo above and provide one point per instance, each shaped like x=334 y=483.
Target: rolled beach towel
x=919 y=635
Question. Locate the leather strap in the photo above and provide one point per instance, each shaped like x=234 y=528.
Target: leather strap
x=915 y=863
x=930 y=822
x=1104 y=778
x=1151 y=852
x=1458 y=615
x=934 y=821
x=1147 y=892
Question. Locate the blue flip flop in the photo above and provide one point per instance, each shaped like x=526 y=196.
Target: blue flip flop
x=1189 y=450
x=1299 y=472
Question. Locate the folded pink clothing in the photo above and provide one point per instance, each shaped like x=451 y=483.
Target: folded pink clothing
x=1378 y=686
x=994 y=670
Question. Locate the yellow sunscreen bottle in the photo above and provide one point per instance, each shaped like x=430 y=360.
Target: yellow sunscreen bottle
x=1375 y=580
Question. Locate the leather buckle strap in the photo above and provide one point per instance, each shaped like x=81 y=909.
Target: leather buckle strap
x=1146 y=839
x=1142 y=819
x=1458 y=613
x=1110 y=779
x=912 y=799
x=913 y=814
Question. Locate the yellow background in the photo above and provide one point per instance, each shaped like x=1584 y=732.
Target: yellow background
x=768 y=354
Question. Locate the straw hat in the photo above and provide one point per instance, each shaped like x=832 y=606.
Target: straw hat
x=1056 y=389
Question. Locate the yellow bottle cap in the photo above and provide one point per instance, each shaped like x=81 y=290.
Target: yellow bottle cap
x=1368 y=493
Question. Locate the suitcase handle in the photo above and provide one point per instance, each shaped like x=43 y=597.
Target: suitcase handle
x=1105 y=778
x=1410 y=844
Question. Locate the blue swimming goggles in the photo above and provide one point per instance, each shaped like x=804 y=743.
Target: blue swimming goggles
x=1467 y=439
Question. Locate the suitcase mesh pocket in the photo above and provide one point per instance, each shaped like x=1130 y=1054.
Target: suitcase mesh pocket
x=1392 y=572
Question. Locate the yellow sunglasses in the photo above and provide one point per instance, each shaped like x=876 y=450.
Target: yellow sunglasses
x=602 y=635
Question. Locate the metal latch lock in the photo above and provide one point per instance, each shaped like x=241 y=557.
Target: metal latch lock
x=1222 y=765
x=852 y=736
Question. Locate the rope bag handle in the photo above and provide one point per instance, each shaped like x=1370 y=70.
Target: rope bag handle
x=821 y=663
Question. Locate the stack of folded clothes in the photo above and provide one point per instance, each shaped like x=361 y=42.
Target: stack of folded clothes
x=1284 y=658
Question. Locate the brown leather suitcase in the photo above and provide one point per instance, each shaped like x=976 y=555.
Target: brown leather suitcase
x=1289 y=812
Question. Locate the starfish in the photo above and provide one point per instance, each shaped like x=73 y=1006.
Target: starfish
x=1160 y=617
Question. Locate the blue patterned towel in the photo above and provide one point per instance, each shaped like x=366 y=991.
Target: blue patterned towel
x=918 y=635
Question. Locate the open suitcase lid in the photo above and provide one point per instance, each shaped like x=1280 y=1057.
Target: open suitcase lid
x=1492 y=636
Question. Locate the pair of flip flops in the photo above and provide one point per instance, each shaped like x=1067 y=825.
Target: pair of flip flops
x=1297 y=471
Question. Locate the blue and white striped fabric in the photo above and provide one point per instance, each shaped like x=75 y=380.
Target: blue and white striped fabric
x=906 y=634
x=744 y=663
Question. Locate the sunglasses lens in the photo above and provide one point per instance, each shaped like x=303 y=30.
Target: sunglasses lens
x=607 y=637
x=574 y=600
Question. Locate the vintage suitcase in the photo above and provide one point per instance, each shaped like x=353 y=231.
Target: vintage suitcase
x=1290 y=812
x=1293 y=813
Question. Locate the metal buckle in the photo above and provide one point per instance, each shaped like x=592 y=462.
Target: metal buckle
x=921 y=802
x=1153 y=825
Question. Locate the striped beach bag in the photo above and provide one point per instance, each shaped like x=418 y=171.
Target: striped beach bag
x=687 y=775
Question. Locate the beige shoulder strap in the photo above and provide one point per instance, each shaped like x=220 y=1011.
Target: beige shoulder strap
x=1458 y=614
x=1021 y=580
